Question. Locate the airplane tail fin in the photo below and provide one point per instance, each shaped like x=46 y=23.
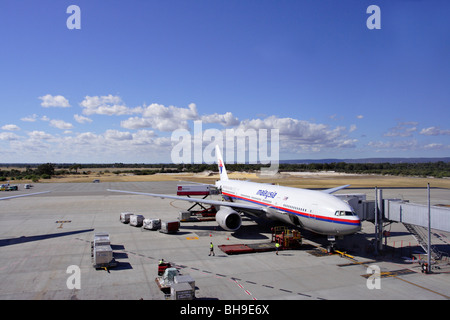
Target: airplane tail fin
x=222 y=170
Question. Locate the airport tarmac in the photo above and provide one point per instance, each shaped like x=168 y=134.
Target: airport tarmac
x=41 y=236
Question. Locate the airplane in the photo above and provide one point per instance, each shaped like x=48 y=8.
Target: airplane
x=24 y=195
x=317 y=211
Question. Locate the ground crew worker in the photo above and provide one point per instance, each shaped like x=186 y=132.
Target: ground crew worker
x=277 y=246
x=161 y=261
x=211 y=249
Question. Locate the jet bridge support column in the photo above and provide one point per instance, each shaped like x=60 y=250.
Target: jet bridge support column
x=379 y=214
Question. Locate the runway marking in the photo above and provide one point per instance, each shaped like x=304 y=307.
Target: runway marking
x=191 y=238
x=220 y=275
x=306 y=295
x=242 y=287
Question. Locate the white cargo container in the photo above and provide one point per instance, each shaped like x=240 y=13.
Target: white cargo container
x=125 y=217
x=136 y=220
x=151 y=224
x=181 y=291
x=170 y=226
x=103 y=256
x=184 y=215
x=185 y=279
x=100 y=239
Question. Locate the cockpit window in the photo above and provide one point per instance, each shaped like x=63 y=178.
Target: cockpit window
x=344 y=213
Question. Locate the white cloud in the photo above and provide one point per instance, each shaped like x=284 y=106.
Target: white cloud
x=10 y=127
x=136 y=123
x=61 y=124
x=39 y=135
x=360 y=116
x=404 y=145
x=54 y=101
x=118 y=135
x=159 y=117
x=144 y=137
x=434 y=131
x=436 y=146
x=106 y=105
x=8 y=136
x=86 y=137
x=171 y=112
x=403 y=129
x=31 y=118
x=81 y=119
x=300 y=135
x=226 y=120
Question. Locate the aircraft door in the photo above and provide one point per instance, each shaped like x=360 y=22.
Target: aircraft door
x=295 y=220
x=314 y=211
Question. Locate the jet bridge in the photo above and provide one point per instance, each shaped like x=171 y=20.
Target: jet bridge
x=397 y=210
x=417 y=214
x=412 y=215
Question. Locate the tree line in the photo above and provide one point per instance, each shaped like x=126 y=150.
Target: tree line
x=438 y=169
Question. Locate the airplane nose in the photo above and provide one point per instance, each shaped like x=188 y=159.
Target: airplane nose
x=357 y=226
x=354 y=226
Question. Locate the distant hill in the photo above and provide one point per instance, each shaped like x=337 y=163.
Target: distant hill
x=367 y=160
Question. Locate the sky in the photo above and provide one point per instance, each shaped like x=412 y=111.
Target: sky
x=135 y=72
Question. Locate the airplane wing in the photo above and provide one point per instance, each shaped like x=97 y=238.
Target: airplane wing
x=332 y=190
x=24 y=195
x=234 y=205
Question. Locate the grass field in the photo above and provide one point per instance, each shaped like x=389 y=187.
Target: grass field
x=300 y=180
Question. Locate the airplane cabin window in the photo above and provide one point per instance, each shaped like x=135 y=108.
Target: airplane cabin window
x=344 y=213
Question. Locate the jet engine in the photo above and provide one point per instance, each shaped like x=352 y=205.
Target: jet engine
x=228 y=219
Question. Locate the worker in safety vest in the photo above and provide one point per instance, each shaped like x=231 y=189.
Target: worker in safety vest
x=211 y=249
x=277 y=246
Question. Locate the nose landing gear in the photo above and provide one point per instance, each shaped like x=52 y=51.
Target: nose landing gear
x=332 y=243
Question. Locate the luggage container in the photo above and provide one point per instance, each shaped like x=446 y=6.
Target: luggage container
x=136 y=220
x=101 y=239
x=125 y=217
x=185 y=279
x=170 y=226
x=101 y=251
x=181 y=291
x=151 y=224
x=184 y=215
x=103 y=257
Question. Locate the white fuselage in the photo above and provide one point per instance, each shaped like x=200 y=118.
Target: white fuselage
x=313 y=210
